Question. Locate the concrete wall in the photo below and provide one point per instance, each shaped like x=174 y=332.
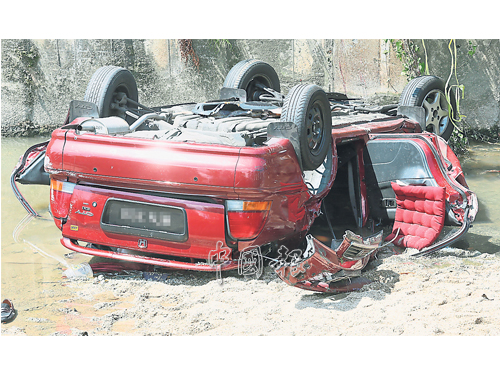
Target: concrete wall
x=40 y=77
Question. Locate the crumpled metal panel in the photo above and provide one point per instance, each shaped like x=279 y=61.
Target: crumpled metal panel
x=323 y=269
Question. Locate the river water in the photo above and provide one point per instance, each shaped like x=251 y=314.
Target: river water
x=33 y=259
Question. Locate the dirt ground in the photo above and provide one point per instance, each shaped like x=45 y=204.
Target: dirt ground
x=452 y=292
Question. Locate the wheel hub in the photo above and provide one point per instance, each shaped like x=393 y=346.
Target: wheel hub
x=436 y=111
x=256 y=88
x=314 y=128
x=119 y=101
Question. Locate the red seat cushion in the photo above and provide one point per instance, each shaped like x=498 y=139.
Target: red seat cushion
x=419 y=215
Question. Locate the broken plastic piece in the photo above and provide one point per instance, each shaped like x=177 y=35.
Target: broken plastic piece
x=325 y=268
x=80 y=270
x=31 y=158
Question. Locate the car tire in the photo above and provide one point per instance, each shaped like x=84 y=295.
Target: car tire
x=247 y=73
x=429 y=92
x=308 y=107
x=109 y=88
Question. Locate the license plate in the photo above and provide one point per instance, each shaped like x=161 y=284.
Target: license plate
x=144 y=220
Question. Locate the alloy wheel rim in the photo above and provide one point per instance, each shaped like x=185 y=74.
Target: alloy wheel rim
x=437 y=117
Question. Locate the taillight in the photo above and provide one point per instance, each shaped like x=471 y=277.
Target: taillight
x=60 y=197
x=246 y=219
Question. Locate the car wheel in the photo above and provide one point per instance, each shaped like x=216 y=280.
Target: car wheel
x=429 y=92
x=252 y=75
x=109 y=88
x=308 y=107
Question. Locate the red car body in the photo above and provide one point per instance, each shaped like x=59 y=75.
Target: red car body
x=196 y=185
x=229 y=198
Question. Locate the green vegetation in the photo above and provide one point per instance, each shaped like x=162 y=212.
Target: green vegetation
x=219 y=44
x=406 y=51
x=415 y=63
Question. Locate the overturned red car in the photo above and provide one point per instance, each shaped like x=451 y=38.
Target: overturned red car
x=226 y=183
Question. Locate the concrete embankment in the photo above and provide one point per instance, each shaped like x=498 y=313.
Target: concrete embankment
x=41 y=77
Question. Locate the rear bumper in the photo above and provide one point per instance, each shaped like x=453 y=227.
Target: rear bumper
x=73 y=245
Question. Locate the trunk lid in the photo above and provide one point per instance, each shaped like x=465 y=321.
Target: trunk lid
x=140 y=163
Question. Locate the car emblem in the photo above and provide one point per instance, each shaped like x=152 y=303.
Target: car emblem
x=142 y=243
x=84 y=212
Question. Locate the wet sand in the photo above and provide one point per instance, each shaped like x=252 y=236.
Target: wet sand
x=453 y=292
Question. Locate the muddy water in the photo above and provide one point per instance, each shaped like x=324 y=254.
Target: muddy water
x=482 y=172
x=33 y=259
